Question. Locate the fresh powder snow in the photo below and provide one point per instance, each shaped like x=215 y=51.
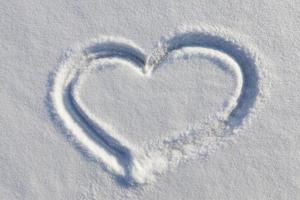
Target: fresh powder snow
x=149 y=99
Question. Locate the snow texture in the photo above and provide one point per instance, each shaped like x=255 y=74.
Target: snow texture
x=149 y=100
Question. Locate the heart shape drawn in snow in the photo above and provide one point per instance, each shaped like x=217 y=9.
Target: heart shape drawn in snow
x=129 y=163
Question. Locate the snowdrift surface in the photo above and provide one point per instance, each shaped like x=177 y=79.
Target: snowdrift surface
x=170 y=100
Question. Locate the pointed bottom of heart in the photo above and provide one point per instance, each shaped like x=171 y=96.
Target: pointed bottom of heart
x=132 y=164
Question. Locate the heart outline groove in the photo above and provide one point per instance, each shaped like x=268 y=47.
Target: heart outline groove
x=132 y=165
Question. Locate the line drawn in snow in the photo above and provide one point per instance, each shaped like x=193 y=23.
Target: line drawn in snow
x=129 y=164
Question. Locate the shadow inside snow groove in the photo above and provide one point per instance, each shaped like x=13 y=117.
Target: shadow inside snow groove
x=117 y=50
x=126 y=51
x=245 y=60
x=101 y=137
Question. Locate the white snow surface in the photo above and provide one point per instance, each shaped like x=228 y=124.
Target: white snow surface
x=149 y=99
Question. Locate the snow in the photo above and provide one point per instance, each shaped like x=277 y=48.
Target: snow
x=149 y=100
